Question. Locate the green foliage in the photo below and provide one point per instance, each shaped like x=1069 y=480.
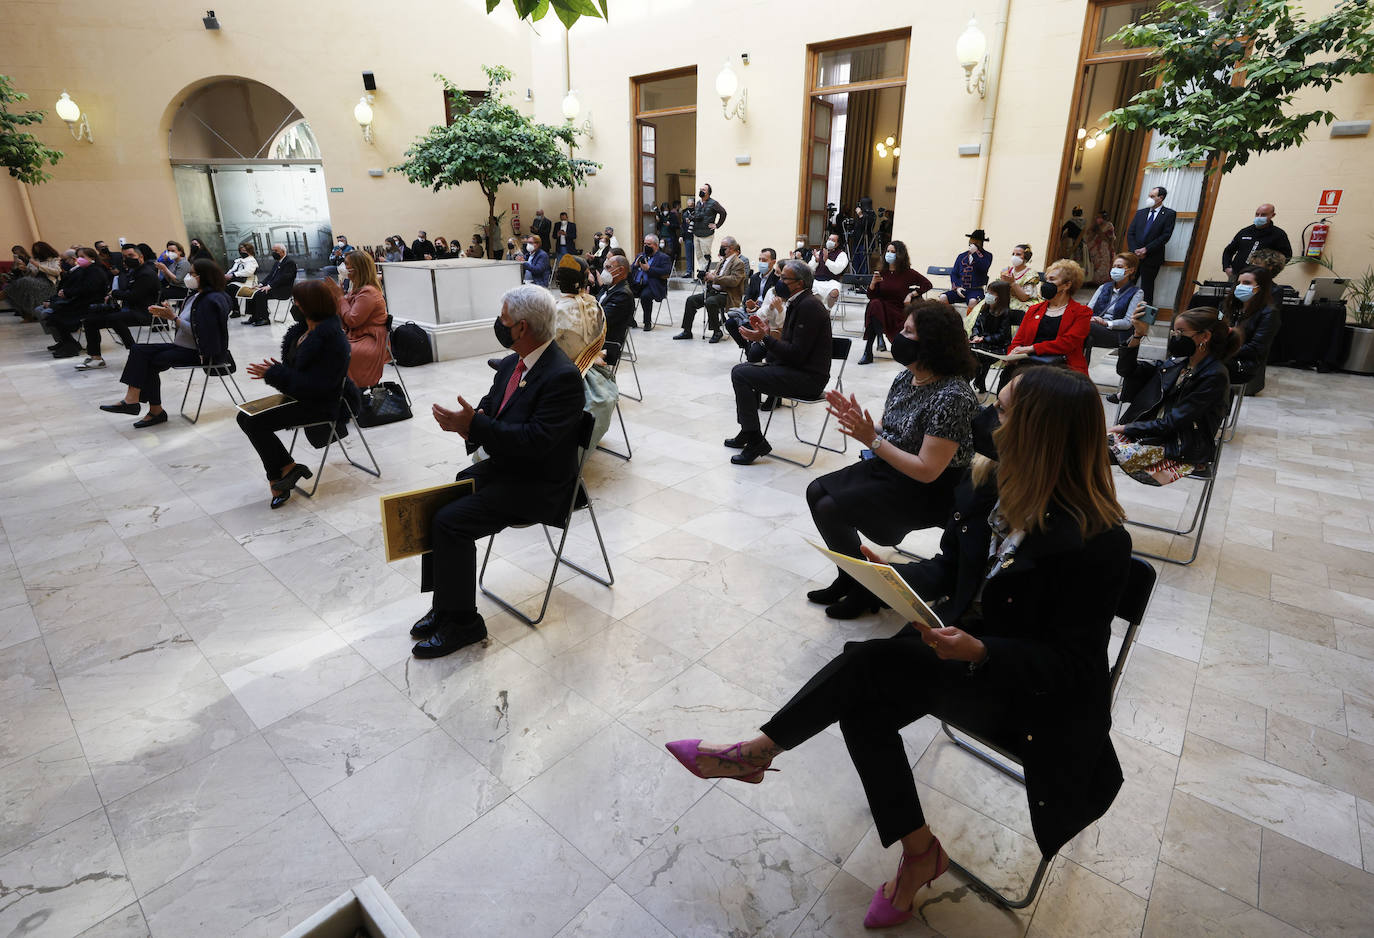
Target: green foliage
x=1229 y=71
x=492 y=144
x=568 y=11
x=21 y=152
x=1360 y=292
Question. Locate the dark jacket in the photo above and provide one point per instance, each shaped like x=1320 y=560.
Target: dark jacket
x=1250 y=238
x=538 y=267
x=138 y=288
x=704 y=215
x=618 y=303
x=1152 y=238
x=759 y=285
x=805 y=341
x=1182 y=415
x=532 y=444
x=1259 y=332
x=1046 y=621
x=312 y=369
x=571 y=247
x=653 y=282
x=210 y=326
x=993 y=329
x=280 y=281
x=541 y=227
x=421 y=248
x=82 y=288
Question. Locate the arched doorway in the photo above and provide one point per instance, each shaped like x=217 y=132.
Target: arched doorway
x=248 y=169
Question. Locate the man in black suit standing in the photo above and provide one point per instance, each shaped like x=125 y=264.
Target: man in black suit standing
x=565 y=235
x=527 y=426
x=275 y=286
x=1150 y=230
x=541 y=226
x=797 y=363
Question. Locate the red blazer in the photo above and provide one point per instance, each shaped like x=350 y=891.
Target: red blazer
x=1073 y=333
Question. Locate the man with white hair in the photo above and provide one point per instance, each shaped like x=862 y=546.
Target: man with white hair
x=527 y=426
x=652 y=267
x=276 y=286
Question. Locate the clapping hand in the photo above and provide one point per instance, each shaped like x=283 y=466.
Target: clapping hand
x=258 y=369
x=853 y=420
x=756 y=331
x=456 y=421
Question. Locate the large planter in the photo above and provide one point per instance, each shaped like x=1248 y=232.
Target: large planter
x=1359 y=354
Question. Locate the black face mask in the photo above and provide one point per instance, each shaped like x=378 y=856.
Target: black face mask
x=782 y=289
x=648 y=249
x=904 y=350
x=984 y=423
x=504 y=333
x=243 y=253
x=297 y=313
x=722 y=252
x=702 y=195
x=1181 y=346
x=1048 y=290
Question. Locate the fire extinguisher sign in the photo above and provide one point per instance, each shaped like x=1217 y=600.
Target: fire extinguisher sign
x=1330 y=202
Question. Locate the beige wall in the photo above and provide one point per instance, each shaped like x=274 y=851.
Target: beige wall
x=123 y=185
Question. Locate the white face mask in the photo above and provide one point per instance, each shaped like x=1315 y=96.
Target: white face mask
x=1018 y=261
x=341 y=244
x=606 y=277
x=801 y=244
x=171 y=255
x=831 y=245
x=1118 y=274
x=192 y=282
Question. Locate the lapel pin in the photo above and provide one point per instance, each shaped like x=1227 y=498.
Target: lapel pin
x=521 y=384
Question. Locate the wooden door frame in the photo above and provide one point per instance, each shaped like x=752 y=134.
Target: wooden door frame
x=810 y=90
x=637 y=114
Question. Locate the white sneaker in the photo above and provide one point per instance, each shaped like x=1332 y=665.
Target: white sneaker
x=91 y=363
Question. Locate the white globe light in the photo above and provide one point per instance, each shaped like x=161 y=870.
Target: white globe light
x=727 y=83
x=571 y=106
x=896 y=151
x=1090 y=143
x=972 y=45
x=1082 y=132
x=882 y=151
x=889 y=141
x=67 y=109
x=362 y=112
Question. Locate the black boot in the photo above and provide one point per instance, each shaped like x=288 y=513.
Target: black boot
x=867 y=357
x=882 y=343
x=857 y=603
x=834 y=592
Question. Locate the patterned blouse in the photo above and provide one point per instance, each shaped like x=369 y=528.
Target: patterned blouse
x=944 y=408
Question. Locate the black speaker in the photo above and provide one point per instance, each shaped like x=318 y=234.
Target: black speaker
x=369 y=82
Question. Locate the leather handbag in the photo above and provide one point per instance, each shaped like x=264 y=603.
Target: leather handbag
x=385 y=403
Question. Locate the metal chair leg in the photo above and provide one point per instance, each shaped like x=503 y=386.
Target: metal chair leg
x=629 y=451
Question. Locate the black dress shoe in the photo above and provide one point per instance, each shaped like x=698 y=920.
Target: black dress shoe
x=648 y=327
x=121 y=408
x=289 y=479
x=742 y=439
x=258 y=322
x=425 y=625
x=751 y=452
x=451 y=636
x=235 y=314
x=854 y=605
x=51 y=348
x=279 y=498
x=1113 y=398
x=882 y=344
x=151 y=420
x=833 y=593
x=865 y=359
x=67 y=351
x=769 y=403
x=715 y=337
x=684 y=334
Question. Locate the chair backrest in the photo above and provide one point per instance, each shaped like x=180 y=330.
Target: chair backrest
x=611 y=350
x=1135 y=599
x=939 y=271
x=839 y=347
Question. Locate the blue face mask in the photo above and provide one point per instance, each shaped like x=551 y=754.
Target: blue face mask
x=1261 y=221
x=1243 y=291
x=890 y=257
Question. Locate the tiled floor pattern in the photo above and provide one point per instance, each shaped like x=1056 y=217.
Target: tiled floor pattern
x=211 y=724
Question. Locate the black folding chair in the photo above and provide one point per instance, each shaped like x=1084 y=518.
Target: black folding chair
x=580 y=500
x=839 y=351
x=335 y=437
x=391 y=359
x=1207 y=475
x=999 y=751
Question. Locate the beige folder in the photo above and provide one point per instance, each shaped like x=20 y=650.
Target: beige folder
x=887 y=584
x=406 y=517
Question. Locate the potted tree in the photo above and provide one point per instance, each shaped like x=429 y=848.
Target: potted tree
x=1359 y=344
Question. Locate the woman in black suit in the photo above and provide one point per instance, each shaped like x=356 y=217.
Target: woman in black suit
x=315 y=353
x=1031 y=569
x=201 y=338
x=1176 y=405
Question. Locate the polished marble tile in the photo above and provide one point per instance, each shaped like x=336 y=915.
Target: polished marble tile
x=285 y=681
x=1312 y=890
x=617 y=667
x=1215 y=846
x=133 y=680
x=1337 y=760
x=689 y=620
x=1183 y=905
x=1078 y=902
x=613 y=914
x=128 y=922
x=44 y=791
x=33 y=715
x=187 y=553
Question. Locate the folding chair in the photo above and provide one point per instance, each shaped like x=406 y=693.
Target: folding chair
x=663 y=306
x=580 y=499
x=281 y=310
x=839 y=351
x=614 y=356
x=1233 y=412
x=1207 y=475
x=334 y=437
x=222 y=370
x=631 y=356
x=1135 y=598
x=392 y=360
x=850 y=280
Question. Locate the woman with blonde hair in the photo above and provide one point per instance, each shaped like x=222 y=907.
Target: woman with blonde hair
x=1028 y=577
x=363 y=313
x=1054 y=331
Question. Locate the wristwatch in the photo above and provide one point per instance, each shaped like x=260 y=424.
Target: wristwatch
x=876 y=445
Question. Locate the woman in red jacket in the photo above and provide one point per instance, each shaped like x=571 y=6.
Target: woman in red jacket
x=1060 y=324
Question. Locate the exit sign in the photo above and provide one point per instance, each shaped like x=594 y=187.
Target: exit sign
x=336 y=188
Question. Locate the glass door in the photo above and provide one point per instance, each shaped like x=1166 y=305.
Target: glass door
x=818 y=171
x=648 y=166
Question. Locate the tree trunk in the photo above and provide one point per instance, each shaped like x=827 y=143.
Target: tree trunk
x=493 y=227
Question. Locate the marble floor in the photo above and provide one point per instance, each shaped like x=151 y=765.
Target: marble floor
x=210 y=723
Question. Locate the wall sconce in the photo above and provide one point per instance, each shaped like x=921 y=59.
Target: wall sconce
x=727 y=84
x=972 y=52
x=362 y=113
x=888 y=147
x=572 y=106
x=1088 y=139
x=69 y=112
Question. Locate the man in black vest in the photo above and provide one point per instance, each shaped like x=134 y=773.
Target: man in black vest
x=276 y=286
x=527 y=425
x=1150 y=231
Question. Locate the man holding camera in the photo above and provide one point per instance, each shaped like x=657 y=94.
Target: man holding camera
x=724 y=289
x=706 y=218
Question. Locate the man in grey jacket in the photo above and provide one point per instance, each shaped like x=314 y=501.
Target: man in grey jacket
x=706 y=218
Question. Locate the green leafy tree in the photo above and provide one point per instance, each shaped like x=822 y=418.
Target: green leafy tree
x=21 y=152
x=1228 y=73
x=569 y=11
x=492 y=144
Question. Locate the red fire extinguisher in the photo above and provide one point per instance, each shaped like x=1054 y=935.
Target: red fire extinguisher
x=1317 y=240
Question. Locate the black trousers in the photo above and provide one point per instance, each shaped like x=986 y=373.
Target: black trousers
x=872 y=690
x=750 y=381
x=733 y=320
x=450 y=568
x=145 y=364
x=1148 y=272
x=646 y=305
x=257 y=305
x=117 y=319
x=261 y=430
x=715 y=303
x=63 y=321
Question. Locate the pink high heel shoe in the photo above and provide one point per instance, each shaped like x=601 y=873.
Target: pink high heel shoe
x=687 y=750
x=881 y=912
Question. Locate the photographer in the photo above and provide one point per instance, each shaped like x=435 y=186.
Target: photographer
x=650 y=278
x=724 y=289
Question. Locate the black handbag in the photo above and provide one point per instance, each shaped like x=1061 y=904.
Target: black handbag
x=410 y=345
x=386 y=403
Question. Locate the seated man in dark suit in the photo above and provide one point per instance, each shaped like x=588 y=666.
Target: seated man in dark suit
x=651 y=271
x=618 y=303
x=527 y=428
x=796 y=364
x=128 y=306
x=755 y=295
x=276 y=286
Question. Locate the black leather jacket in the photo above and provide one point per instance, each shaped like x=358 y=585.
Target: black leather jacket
x=1181 y=414
x=1260 y=331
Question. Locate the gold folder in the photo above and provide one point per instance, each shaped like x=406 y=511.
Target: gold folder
x=406 y=516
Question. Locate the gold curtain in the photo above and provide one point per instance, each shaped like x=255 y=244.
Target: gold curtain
x=860 y=127
x=1118 y=192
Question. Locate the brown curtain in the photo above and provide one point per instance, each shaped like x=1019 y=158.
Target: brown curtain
x=860 y=127
x=1118 y=193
